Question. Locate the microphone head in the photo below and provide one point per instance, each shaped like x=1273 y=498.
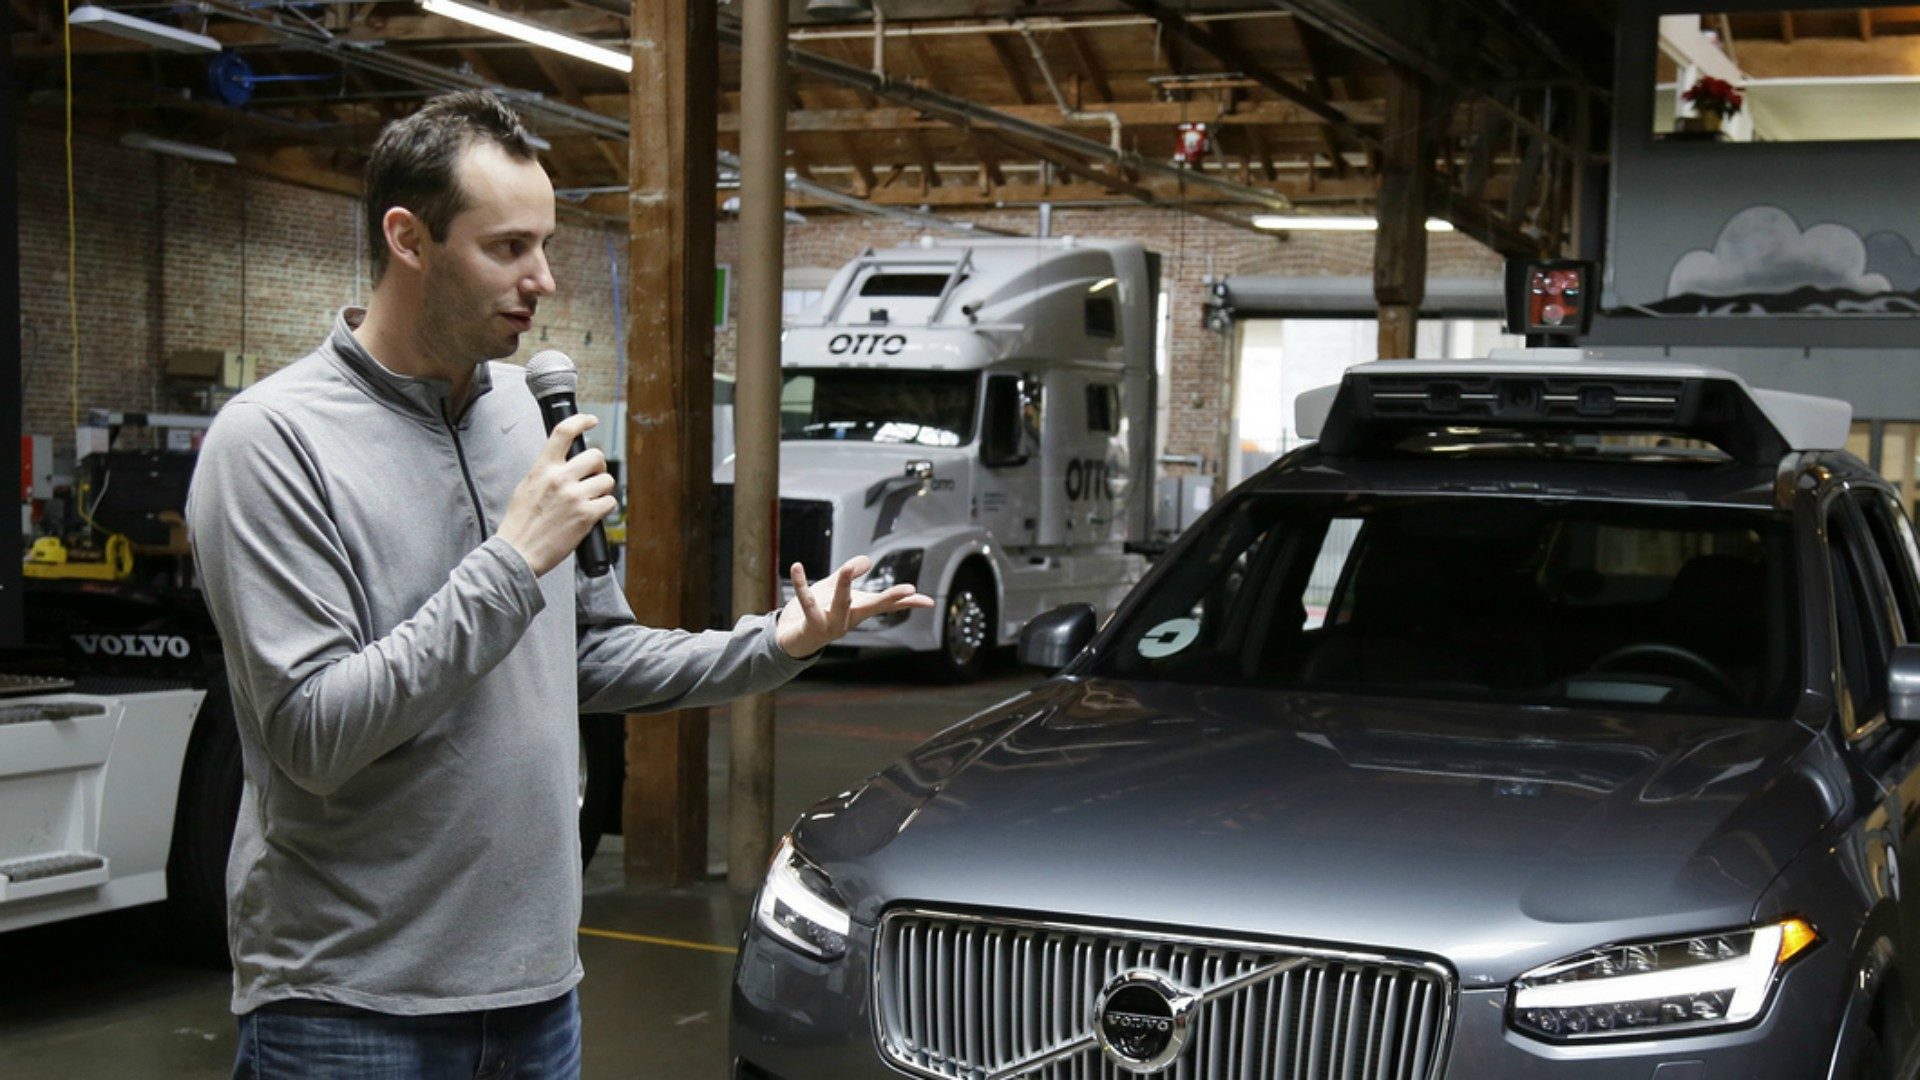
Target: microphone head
x=551 y=372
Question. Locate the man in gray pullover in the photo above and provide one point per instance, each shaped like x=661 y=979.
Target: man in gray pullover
x=385 y=535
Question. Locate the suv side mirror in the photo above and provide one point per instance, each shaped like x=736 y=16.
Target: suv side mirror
x=1001 y=426
x=1903 y=685
x=1055 y=637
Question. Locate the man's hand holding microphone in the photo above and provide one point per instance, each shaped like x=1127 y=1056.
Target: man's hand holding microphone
x=558 y=506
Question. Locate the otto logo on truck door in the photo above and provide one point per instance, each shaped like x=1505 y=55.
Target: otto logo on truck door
x=866 y=344
x=154 y=645
x=1087 y=479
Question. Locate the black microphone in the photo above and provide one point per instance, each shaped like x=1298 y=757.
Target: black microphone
x=553 y=380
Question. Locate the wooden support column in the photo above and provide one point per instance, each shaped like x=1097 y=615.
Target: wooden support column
x=669 y=343
x=12 y=608
x=1400 y=246
x=756 y=486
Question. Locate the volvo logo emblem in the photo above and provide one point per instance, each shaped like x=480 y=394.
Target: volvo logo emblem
x=1142 y=1019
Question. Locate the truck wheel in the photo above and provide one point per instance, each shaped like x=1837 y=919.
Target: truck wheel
x=603 y=772
x=209 y=802
x=966 y=627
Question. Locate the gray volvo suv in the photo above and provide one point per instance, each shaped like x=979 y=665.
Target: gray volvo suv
x=1544 y=718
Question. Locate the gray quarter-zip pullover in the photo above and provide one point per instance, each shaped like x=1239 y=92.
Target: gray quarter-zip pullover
x=407 y=691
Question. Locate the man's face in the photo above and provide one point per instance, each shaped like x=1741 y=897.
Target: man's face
x=484 y=282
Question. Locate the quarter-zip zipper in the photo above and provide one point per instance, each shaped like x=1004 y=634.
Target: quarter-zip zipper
x=465 y=473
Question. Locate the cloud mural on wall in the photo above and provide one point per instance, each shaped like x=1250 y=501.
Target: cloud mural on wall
x=1891 y=255
x=1764 y=263
x=1763 y=250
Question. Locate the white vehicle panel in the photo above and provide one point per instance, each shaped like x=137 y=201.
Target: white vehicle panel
x=92 y=779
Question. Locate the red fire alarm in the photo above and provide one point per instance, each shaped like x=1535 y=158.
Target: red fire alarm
x=1190 y=143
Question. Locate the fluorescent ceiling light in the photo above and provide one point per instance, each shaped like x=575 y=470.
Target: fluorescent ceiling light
x=531 y=33
x=1309 y=223
x=140 y=141
x=146 y=31
x=538 y=143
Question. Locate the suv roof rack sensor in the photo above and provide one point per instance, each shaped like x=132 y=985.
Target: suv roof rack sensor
x=1379 y=403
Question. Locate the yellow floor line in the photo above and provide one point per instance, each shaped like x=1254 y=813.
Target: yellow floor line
x=698 y=946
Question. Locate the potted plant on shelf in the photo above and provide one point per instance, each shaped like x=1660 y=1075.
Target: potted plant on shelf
x=1714 y=101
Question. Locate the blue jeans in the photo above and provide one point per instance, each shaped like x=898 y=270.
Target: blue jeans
x=317 y=1041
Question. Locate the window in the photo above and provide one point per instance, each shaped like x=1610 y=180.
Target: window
x=1560 y=604
x=1103 y=408
x=1012 y=419
x=924 y=285
x=1860 y=612
x=920 y=408
x=1102 y=319
x=798 y=301
x=1893 y=543
x=1803 y=75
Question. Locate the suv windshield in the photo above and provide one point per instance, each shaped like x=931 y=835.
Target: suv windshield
x=1554 y=603
x=922 y=408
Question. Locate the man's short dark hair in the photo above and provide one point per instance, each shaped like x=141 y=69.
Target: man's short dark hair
x=413 y=163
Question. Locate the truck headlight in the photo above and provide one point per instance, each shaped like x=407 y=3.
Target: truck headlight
x=1658 y=987
x=798 y=906
x=894 y=568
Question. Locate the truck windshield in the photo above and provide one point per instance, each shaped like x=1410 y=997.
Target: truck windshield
x=1544 y=603
x=921 y=408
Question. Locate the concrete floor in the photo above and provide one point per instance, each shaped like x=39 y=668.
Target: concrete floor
x=99 y=997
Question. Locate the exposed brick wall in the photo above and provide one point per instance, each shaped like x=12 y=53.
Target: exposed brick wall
x=174 y=254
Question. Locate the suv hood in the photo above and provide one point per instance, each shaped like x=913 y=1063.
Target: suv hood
x=1497 y=838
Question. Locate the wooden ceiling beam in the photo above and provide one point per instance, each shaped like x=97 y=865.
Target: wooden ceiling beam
x=929 y=72
x=862 y=169
x=1089 y=65
x=559 y=76
x=1010 y=63
x=479 y=65
x=1132 y=114
x=1164 y=191
x=929 y=175
x=1110 y=181
x=990 y=170
x=1228 y=52
x=412 y=31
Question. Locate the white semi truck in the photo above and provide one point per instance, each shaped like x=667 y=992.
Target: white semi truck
x=979 y=417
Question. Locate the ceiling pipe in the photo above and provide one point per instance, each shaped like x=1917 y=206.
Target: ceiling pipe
x=1044 y=24
x=964 y=113
x=1111 y=119
x=317 y=40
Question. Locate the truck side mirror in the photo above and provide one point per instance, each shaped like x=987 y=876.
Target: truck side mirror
x=1052 y=639
x=1000 y=427
x=1903 y=685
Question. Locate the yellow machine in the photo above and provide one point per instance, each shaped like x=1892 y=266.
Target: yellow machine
x=49 y=558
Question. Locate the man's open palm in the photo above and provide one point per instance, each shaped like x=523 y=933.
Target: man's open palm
x=806 y=625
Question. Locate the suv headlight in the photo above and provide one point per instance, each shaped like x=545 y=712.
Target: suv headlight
x=797 y=905
x=1658 y=987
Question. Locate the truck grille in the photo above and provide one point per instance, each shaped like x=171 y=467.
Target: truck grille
x=806 y=537
x=963 y=998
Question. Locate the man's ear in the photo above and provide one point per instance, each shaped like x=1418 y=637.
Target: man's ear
x=406 y=235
